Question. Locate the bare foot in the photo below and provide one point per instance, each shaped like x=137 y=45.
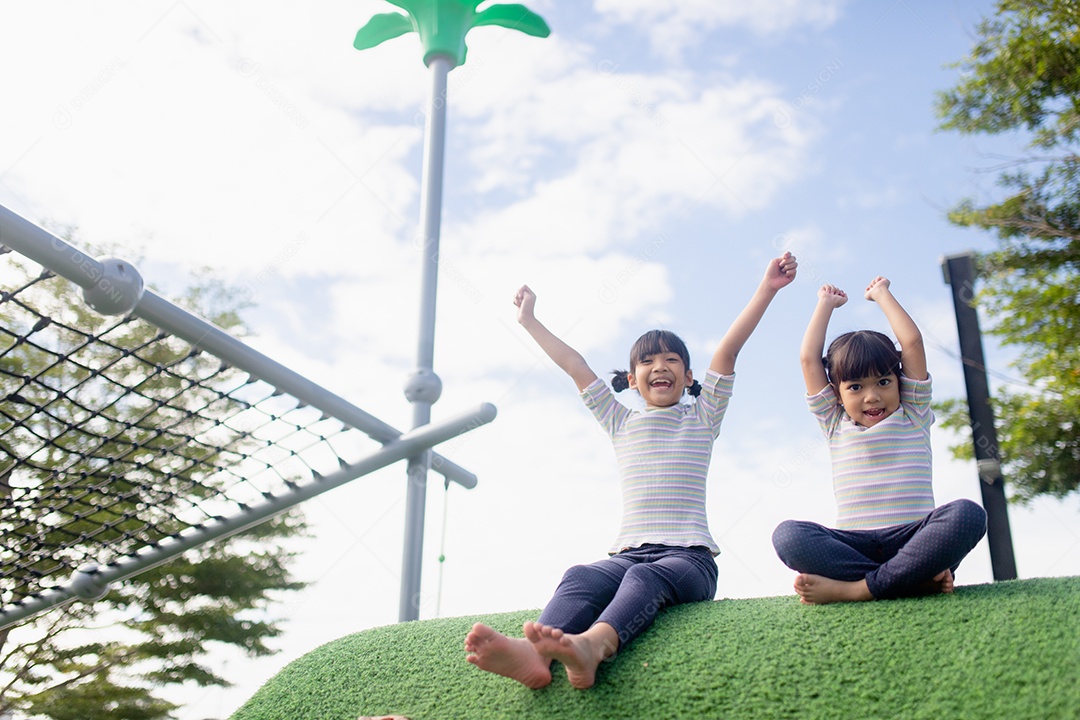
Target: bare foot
x=515 y=658
x=940 y=584
x=818 y=590
x=945 y=579
x=580 y=654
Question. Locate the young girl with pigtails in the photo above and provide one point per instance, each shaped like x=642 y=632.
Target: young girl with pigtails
x=872 y=403
x=664 y=552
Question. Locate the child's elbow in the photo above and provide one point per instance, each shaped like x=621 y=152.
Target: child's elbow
x=723 y=360
x=912 y=340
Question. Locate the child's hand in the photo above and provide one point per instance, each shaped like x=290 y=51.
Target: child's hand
x=876 y=287
x=525 y=300
x=831 y=296
x=781 y=271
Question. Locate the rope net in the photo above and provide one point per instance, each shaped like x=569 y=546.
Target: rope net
x=115 y=435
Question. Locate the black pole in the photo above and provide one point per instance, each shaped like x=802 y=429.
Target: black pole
x=960 y=275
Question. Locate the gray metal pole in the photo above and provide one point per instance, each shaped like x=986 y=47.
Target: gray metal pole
x=960 y=275
x=424 y=387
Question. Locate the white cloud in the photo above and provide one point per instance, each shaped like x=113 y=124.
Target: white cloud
x=223 y=160
x=635 y=165
x=672 y=25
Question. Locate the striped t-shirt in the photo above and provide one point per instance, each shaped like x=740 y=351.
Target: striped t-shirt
x=882 y=475
x=663 y=456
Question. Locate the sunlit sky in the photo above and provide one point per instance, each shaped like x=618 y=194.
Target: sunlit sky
x=637 y=169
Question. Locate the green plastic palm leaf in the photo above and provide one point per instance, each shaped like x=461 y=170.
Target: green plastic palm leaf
x=443 y=24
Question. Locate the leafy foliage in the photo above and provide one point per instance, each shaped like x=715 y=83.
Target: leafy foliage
x=1023 y=76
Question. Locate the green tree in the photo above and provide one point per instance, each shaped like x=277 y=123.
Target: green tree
x=1023 y=77
x=106 y=660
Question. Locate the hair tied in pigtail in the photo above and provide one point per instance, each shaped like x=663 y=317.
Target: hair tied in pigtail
x=619 y=380
x=694 y=389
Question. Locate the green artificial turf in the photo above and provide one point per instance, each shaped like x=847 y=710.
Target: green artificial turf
x=1007 y=650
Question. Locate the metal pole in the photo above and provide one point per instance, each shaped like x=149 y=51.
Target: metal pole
x=960 y=275
x=424 y=387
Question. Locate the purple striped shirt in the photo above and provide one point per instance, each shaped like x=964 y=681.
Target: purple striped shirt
x=882 y=475
x=663 y=456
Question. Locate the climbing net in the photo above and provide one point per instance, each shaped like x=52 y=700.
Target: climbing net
x=115 y=435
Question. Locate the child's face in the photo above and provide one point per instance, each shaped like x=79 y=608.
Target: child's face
x=870 y=400
x=660 y=379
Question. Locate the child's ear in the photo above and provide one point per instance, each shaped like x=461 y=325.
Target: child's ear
x=689 y=377
x=631 y=381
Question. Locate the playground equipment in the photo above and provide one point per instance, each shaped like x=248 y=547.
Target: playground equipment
x=115 y=461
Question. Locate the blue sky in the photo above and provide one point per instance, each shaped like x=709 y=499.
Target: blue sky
x=637 y=169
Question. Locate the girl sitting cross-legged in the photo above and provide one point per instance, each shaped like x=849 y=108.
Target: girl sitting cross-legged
x=873 y=405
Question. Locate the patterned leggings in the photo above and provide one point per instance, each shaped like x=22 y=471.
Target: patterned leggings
x=895 y=561
x=626 y=590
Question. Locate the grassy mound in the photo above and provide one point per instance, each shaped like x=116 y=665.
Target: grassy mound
x=1006 y=650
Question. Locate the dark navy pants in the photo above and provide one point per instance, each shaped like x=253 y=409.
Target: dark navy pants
x=628 y=589
x=895 y=561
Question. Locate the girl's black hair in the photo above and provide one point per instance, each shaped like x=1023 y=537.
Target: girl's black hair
x=859 y=354
x=654 y=342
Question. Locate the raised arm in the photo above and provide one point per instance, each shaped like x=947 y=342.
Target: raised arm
x=566 y=357
x=779 y=274
x=830 y=297
x=912 y=349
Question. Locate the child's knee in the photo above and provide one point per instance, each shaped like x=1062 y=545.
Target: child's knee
x=581 y=575
x=786 y=537
x=964 y=520
x=967 y=512
x=973 y=510
x=973 y=517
